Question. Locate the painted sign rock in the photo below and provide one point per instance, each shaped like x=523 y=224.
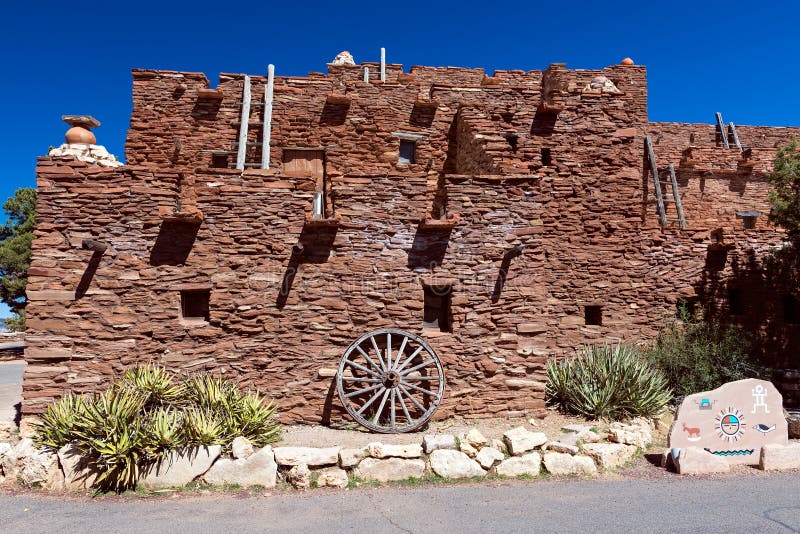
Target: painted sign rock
x=733 y=421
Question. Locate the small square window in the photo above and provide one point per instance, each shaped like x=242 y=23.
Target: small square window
x=436 y=313
x=593 y=315
x=735 y=301
x=219 y=161
x=748 y=218
x=195 y=305
x=407 y=149
x=791 y=309
x=547 y=158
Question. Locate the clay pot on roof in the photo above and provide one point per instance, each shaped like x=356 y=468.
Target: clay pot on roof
x=79 y=135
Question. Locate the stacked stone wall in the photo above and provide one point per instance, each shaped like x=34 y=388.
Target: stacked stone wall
x=288 y=294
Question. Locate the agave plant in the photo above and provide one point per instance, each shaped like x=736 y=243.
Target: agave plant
x=607 y=381
x=147 y=413
x=202 y=426
x=254 y=418
x=55 y=429
x=155 y=383
x=109 y=430
x=210 y=392
x=164 y=430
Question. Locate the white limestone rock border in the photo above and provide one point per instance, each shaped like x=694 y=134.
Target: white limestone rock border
x=454 y=464
x=257 y=469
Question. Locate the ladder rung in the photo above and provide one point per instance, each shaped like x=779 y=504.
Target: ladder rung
x=249 y=143
x=250 y=123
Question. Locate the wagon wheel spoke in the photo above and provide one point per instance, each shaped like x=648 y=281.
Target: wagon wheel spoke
x=404 y=390
x=421 y=390
x=366 y=357
x=361 y=367
x=372 y=381
x=420 y=366
x=408 y=360
x=377 y=352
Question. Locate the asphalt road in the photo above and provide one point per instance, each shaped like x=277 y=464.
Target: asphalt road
x=764 y=504
x=10 y=388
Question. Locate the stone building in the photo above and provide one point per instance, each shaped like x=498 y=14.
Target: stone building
x=506 y=218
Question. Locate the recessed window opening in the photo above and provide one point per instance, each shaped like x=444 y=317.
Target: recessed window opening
x=735 y=305
x=512 y=142
x=195 y=305
x=547 y=158
x=436 y=312
x=219 y=161
x=407 y=149
x=748 y=218
x=791 y=309
x=686 y=307
x=593 y=315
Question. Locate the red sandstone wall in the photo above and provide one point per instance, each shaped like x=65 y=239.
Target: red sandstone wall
x=586 y=221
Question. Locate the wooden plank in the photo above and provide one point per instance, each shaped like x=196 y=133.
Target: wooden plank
x=723 y=132
x=677 y=196
x=383 y=64
x=240 y=156
x=651 y=156
x=735 y=136
x=266 y=136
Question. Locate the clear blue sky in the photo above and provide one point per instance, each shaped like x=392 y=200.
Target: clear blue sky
x=65 y=57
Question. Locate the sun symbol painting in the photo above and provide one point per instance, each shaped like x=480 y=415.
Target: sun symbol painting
x=730 y=425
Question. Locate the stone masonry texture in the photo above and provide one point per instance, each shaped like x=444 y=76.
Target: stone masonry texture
x=517 y=158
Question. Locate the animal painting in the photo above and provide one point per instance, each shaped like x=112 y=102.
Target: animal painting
x=693 y=432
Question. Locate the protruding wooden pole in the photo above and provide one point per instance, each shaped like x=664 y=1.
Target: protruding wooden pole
x=366 y=74
x=93 y=245
x=267 y=137
x=383 y=64
x=242 y=153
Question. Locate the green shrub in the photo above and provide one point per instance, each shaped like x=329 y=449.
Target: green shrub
x=699 y=354
x=609 y=381
x=150 y=411
x=56 y=426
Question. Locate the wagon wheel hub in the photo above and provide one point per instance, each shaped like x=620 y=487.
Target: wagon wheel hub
x=390 y=381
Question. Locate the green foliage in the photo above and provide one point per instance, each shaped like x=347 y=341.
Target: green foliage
x=111 y=432
x=203 y=426
x=150 y=411
x=611 y=381
x=698 y=354
x=16 y=236
x=785 y=193
x=58 y=422
x=154 y=383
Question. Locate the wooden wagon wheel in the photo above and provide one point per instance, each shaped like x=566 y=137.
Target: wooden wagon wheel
x=390 y=381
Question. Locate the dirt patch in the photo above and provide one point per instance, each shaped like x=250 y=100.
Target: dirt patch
x=354 y=437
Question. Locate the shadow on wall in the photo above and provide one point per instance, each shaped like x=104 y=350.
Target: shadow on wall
x=761 y=297
x=174 y=243
x=429 y=247
x=313 y=246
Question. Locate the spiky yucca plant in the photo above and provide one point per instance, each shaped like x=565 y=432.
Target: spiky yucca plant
x=110 y=431
x=149 y=412
x=610 y=381
x=155 y=383
x=55 y=429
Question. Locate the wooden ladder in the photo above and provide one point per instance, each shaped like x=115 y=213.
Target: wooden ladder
x=657 y=185
x=245 y=123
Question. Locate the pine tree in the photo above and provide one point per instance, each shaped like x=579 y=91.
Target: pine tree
x=16 y=236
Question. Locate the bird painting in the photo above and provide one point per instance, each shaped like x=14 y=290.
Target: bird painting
x=761 y=427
